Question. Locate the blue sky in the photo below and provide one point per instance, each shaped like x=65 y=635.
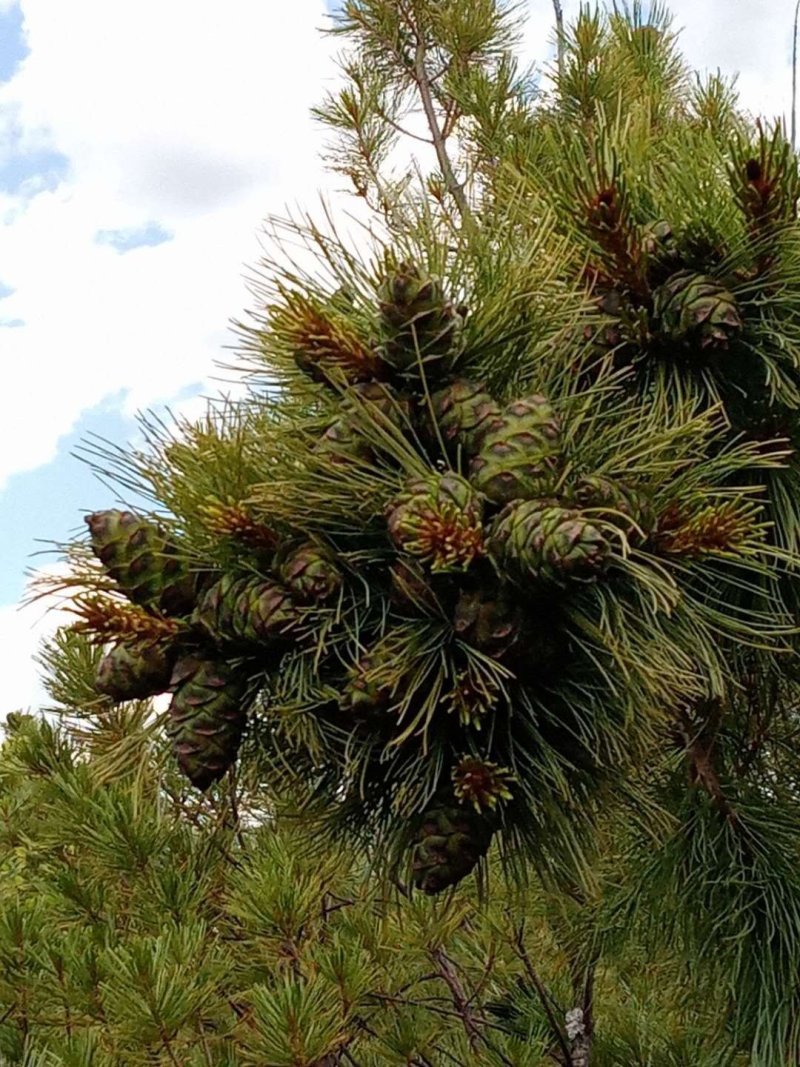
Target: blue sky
x=136 y=166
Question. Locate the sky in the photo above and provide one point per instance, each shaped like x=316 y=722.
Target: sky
x=141 y=146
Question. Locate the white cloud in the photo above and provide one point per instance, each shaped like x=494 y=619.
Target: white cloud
x=191 y=114
x=22 y=630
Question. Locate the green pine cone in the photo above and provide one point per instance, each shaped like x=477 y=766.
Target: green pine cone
x=368 y=692
x=541 y=539
x=697 y=309
x=358 y=400
x=418 y=321
x=246 y=610
x=616 y=503
x=450 y=841
x=488 y=621
x=520 y=453
x=135 y=672
x=465 y=412
x=310 y=574
x=207 y=717
x=439 y=520
x=143 y=563
x=342 y=444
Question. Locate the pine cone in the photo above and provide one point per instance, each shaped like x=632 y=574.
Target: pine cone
x=324 y=344
x=520 y=454
x=359 y=399
x=310 y=574
x=616 y=502
x=449 y=843
x=245 y=610
x=343 y=444
x=543 y=540
x=487 y=621
x=662 y=252
x=206 y=718
x=143 y=563
x=438 y=519
x=135 y=671
x=369 y=689
x=418 y=321
x=465 y=412
x=697 y=309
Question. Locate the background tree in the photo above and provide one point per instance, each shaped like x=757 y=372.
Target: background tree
x=142 y=923
x=502 y=545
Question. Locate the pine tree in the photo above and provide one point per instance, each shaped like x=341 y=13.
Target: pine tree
x=143 y=922
x=506 y=563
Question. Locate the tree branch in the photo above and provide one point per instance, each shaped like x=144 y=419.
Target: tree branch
x=560 y=39
x=422 y=80
x=794 y=76
x=538 y=984
x=447 y=973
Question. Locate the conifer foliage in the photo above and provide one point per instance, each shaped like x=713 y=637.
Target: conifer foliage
x=502 y=544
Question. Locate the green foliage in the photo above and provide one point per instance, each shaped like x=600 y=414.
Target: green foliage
x=141 y=927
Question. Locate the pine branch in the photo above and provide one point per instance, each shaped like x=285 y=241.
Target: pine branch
x=422 y=79
x=447 y=973
x=538 y=984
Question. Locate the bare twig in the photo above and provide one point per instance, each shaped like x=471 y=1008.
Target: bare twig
x=452 y=183
x=794 y=75
x=538 y=984
x=560 y=35
x=447 y=972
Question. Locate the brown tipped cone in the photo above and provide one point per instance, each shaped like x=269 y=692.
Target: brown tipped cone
x=245 y=610
x=418 y=321
x=360 y=401
x=310 y=574
x=520 y=454
x=135 y=671
x=438 y=519
x=465 y=413
x=450 y=841
x=206 y=718
x=696 y=309
x=540 y=539
x=143 y=563
x=323 y=343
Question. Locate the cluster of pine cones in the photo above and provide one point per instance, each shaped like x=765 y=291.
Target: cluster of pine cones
x=494 y=547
